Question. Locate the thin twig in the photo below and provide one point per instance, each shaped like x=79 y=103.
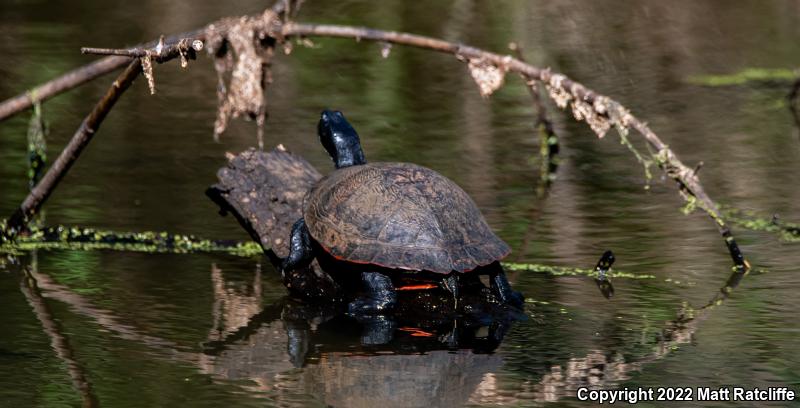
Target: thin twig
x=548 y=140
x=39 y=194
x=168 y=51
x=688 y=182
x=548 y=160
x=186 y=49
x=65 y=82
x=127 y=52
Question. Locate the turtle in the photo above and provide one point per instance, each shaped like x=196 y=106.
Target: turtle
x=391 y=220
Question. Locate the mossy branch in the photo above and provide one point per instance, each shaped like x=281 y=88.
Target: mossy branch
x=81 y=238
x=788 y=231
x=548 y=139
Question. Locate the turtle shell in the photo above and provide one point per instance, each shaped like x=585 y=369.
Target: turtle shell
x=400 y=215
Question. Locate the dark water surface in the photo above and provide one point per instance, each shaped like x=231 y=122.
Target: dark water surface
x=130 y=327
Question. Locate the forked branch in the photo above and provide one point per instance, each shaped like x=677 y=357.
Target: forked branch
x=33 y=202
x=86 y=73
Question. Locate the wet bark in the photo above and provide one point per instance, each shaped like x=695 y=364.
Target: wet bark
x=264 y=191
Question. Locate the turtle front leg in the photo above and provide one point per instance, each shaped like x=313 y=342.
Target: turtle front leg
x=502 y=289
x=301 y=278
x=379 y=295
x=300 y=251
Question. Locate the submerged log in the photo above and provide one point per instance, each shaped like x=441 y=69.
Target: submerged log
x=265 y=192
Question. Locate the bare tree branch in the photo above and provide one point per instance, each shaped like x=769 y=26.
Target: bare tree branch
x=39 y=194
x=160 y=51
x=86 y=73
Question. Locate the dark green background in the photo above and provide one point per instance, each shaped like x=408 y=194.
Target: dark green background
x=154 y=156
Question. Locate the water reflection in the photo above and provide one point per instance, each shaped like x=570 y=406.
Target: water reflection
x=59 y=342
x=347 y=362
x=287 y=348
x=601 y=369
x=412 y=358
x=233 y=306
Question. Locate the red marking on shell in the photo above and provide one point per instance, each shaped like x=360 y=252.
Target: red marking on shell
x=416 y=332
x=341 y=258
x=418 y=287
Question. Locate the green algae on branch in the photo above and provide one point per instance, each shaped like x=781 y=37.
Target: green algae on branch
x=646 y=163
x=569 y=271
x=744 y=77
x=789 y=232
x=61 y=237
x=79 y=238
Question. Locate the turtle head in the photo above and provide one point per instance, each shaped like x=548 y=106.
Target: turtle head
x=340 y=139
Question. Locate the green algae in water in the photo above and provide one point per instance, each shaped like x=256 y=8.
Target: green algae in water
x=79 y=238
x=87 y=239
x=787 y=231
x=744 y=77
x=569 y=271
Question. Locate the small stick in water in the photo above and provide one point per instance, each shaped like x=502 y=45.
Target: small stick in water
x=602 y=268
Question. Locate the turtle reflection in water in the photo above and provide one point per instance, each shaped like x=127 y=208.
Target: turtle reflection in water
x=397 y=225
x=402 y=360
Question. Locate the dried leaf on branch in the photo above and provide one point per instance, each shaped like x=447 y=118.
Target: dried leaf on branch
x=245 y=52
x=487 y=75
